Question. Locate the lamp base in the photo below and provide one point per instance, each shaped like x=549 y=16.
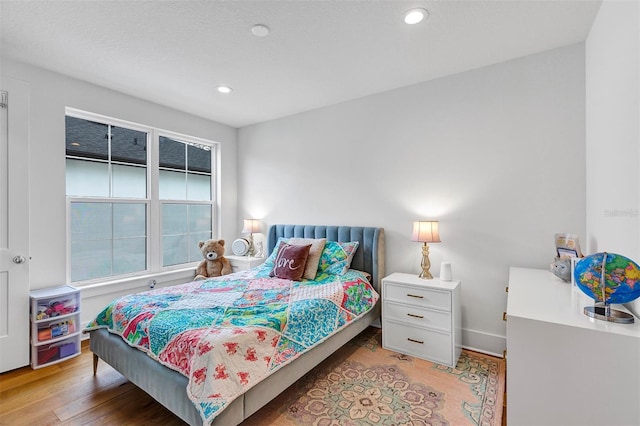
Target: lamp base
x=251 y=251
x=425 y=275
x=425 y=264
x=605 y=313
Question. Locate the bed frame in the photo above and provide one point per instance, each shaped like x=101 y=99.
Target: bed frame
x=168 y=387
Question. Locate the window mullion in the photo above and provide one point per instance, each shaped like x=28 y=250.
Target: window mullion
x=109 y=165
x=113 y=240
x=216 y=223
x=154 y=240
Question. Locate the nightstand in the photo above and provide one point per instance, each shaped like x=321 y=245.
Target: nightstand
x=244 y=263
x=422 y=317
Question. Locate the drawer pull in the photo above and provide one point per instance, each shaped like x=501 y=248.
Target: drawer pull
x=416 y=296
x=415 y=341
x=415 y=316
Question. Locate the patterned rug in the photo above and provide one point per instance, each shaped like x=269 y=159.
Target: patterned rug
x=363 y=384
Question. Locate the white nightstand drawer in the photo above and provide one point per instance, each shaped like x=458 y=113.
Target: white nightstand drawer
x=418 y=342
x=244 y=263
x=420 y=317
x=425 y=297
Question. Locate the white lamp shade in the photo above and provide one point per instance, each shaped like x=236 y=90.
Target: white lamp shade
x=426 y=232
x=251 y=226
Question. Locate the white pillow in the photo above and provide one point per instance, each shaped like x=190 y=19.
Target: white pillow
x=317 y=245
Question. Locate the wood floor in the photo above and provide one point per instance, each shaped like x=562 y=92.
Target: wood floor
x=69 y=394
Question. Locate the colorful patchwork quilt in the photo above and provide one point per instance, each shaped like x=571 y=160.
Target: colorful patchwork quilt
x=227 y=334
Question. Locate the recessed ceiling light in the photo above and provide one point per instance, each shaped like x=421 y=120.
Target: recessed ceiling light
x=224 y=89
x=415 y=16
x=260 y=30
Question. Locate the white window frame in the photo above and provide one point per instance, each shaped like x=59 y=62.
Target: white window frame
x=156 y=191
x=154 y=204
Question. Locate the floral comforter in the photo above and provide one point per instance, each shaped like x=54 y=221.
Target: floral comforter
x=229 y=333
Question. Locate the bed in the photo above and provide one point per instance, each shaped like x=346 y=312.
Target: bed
x=172 y=389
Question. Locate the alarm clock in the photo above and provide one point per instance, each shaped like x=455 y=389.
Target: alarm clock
x=240 y=247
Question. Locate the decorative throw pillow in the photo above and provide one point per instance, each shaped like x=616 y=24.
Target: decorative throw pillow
x=336 y=257
x=290 y=261
x=317 y=246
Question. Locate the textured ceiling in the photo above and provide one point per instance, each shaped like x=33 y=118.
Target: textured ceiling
x=319 y=52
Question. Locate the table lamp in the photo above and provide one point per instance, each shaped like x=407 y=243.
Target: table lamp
x=426 y=232
x=251 y=226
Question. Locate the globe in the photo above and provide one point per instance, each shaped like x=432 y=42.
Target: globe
x=621 y=278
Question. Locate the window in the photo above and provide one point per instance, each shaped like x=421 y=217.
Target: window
x=185 y=174
x=139 y=199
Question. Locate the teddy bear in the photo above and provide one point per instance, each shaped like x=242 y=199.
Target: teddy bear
x=214 y=263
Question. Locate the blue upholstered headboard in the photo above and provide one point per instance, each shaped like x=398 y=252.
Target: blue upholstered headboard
x=370 y=254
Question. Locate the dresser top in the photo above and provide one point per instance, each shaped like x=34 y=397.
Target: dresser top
x=436 y=283
x=537 y=294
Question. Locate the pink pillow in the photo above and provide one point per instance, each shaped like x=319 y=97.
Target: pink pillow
x=290 y=262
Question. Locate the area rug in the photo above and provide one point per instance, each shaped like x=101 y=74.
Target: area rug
x=363 y=384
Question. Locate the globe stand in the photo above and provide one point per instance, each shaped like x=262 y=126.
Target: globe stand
x=603 y=311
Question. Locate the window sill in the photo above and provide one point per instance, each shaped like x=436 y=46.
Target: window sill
x=139 y=283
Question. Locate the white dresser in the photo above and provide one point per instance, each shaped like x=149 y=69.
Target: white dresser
x=564 y=368
x=422 y=317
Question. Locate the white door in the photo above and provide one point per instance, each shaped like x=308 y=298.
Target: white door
x=14 y=224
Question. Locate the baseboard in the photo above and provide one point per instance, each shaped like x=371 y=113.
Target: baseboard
x=487 y=343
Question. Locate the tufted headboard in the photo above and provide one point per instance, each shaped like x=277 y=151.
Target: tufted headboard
x=370 y=254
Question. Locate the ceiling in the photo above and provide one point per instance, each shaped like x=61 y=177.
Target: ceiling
x=318 y=52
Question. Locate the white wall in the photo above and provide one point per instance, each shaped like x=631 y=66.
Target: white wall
x=50 y=93
x=613 y=131
x=496 y=154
